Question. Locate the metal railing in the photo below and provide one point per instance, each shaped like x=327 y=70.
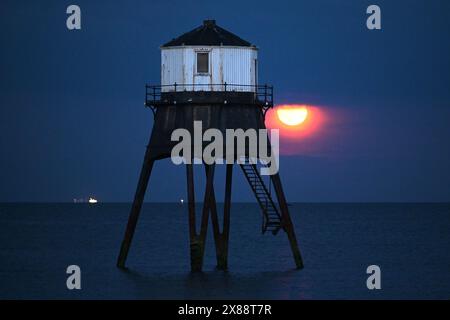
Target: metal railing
x=262 y=93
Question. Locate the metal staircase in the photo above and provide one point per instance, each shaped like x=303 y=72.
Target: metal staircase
x=271 y=214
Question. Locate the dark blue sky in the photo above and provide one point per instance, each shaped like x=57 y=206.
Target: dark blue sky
x=72 y=120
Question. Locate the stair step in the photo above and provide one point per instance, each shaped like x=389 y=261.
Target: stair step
x=272 y=218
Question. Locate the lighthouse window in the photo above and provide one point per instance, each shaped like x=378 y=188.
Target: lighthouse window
x=202 y=62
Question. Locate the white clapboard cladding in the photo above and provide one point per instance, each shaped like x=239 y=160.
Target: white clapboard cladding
x=208 y=58
x=231 y=65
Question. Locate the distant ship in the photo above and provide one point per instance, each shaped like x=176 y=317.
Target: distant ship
x=92 y=200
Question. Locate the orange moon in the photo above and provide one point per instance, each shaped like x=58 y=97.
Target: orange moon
x=295 y=121
x=292 y=116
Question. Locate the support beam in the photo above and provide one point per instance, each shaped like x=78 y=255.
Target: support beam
x=191 y=200
x=221 y=238
x=208 y=191
x=198 y=240
x=216 y=229
x=136 y=207
x=286 y=220
x=226 y=218
x=196 y=249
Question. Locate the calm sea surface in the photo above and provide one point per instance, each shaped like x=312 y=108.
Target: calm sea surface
x=410 y=243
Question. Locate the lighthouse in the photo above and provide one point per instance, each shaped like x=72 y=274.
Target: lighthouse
x=210 y=76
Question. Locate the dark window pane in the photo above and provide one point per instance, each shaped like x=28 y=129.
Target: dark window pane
x=202 y=62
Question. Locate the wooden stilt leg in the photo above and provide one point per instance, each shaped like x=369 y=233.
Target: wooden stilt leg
x=286 y=220
x=191 y=200
x=221 y=239
x=136 y=208
x=198 y=242
x=223 y=259
x=216 y=227
x=195 y=245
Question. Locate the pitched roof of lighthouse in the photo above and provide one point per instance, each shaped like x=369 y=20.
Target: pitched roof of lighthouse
x=208 y=34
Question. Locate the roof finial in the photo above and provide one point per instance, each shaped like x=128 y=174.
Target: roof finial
x=209 y=23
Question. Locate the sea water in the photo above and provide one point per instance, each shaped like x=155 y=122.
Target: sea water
x=409 y=242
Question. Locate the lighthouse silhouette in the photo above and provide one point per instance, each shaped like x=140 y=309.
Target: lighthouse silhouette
x=211 y=75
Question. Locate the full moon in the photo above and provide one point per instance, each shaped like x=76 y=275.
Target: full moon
x=292 y=116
